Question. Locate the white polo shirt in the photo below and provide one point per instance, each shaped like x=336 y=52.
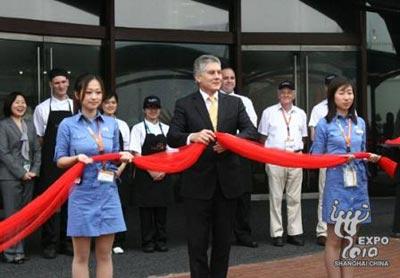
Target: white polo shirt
x=248 y=105
x=125 y=132
x=42 y=111
x=273 y=125
x=318 y=112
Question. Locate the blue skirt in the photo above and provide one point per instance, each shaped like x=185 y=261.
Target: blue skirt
x=94 y=211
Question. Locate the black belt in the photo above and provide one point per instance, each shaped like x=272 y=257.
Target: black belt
x=298 y=151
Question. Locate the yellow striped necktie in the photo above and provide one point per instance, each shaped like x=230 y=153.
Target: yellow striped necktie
x=213 y=111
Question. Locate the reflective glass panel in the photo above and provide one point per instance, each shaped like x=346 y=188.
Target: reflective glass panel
x=297 y=16
x=69 y=11
x=161 y=69
x=173 y=14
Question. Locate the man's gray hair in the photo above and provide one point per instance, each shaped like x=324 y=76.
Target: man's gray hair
x=201 y=62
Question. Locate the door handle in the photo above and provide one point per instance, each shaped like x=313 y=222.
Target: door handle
x=39 y=75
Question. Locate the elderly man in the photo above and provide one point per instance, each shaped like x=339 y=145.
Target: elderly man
x=284 y=126
x=242 y=229
x=210 y=188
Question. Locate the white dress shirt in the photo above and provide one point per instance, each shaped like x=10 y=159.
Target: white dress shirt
x=248 y=105
x=42 y=111
x=273 y=125
x=138 y=134
x=125 y=132
x=318 y=112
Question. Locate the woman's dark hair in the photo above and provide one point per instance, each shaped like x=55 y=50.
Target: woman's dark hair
x=8 y=101
x=110 y=96
x=335 y=84
x=80 y=87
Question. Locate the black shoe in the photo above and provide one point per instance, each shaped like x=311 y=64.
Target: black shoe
x=247 y=243
x=49 y=252
x=321 y=240
x=297 y=240
x=161 y=247
x=67 y=249
x=148 y=248
x=18 y=259
x=278 y=241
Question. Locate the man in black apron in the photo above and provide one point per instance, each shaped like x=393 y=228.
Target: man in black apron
x=58 y=106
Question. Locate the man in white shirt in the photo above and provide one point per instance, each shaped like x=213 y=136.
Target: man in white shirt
x=284 y=126
x=317 y=113
x=46 y=117
x=242 y=229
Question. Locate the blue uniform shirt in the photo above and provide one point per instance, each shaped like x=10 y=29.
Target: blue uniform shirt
x=329 y=139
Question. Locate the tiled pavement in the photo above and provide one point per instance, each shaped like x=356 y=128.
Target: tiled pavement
x=312 y=266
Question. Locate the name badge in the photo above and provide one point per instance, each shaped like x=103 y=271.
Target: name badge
x=349 y=176
x=106 y=176
x=289 y=144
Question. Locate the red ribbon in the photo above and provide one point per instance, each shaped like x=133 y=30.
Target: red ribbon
x=32 y=216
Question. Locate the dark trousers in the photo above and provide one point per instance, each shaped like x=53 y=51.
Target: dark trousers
x=54 y=231
x=202 y=216
x=16 y=195
x=120 y=237
x=396 y=222
x=242 y=228
x=153 y=222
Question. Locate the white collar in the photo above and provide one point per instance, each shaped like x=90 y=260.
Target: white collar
x=54 y=99
x=206 y=96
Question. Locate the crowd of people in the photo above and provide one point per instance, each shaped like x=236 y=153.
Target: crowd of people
x=216 y=190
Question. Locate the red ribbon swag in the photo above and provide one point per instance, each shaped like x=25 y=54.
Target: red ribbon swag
x=32 y=216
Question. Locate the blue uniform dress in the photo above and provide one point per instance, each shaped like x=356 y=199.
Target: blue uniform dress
x=94 y=207
x=329 y=139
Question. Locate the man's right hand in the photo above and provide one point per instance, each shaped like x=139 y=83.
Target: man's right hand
x=205 y=136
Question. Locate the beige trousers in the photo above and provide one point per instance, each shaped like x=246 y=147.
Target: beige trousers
x=279 y=180
x=321 y=226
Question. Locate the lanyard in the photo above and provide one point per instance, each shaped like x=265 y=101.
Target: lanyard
x=347 y=138
x=98 y=139
x=287 y=122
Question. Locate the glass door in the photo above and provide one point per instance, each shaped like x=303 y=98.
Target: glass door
x=20 y=68
x=77 y=56
x=264 y=67
x=26 y=59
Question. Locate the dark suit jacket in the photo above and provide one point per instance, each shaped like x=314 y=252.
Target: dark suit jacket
x=191 y=115
x=11 y=160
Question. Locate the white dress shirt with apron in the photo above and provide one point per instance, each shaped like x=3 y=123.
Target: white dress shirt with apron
x=153 y=197
x=49 y=173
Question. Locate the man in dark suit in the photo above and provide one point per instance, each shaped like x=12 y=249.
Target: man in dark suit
x=210 y=188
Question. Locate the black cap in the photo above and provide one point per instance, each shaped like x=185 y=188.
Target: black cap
x=286 y=84
x=151 y=101
x=57 y=72
x=329 y=78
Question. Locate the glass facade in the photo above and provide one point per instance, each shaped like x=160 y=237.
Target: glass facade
x=36 y=55
x=298 y=16
x=383 y=42
x=69 y=11
x=173 y=14
x=299 y=40
x=161 y=69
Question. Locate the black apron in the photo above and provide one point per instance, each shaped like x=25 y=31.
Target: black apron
x=151 y=193
x=49 y=172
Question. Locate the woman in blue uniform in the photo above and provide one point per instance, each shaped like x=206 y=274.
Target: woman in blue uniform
x=346 y=187
x=94 y=207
